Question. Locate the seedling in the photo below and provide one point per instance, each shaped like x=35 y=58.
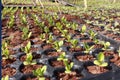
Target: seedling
x=51 y=21
x=68 y=38
x=50 y=39
x=26 y=34
x=63 y=19
x=74 y=26
x=100 y=60
x=64 y=33
x=29 y=60
x=46 y=29
x=5 y=78
x=57 y=45
x=42 y=37
x=4 y=45
x=26 y=49
x=24 y=20
x=83 y=29
x=68 y=66
x=74 y=42
x=106 y=45
x=87 y=48
x=10 y=23
x=40 y=72
x=92 y=34
x=6 y=54
x=59 y=26
x=62 y=57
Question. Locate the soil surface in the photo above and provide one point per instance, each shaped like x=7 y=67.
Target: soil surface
x=97 y=69
x=8 y=71
x=71 y=76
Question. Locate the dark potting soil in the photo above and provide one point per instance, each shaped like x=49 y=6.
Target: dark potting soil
x=8 y=71
x=27 y=69
x=71 y=76
x=85 y=57
x=96 y=69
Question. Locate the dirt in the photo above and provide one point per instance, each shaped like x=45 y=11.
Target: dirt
x=71 y=76
x=85 y=57
x=116 y=59
x=29 y=68
x=47 y=46
x=76 y=49
x=7 y=61
x=8 y=71
x=97 y=69
x=51 y=54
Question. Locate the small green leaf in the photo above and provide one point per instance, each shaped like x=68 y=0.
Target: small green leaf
x=29 y=34
x=41 y=78
x=96 y=62
x=83 y=28
x=5 y=78
x=107 y=44
x=104 y=64
x=60 y=43
x=25 y=63
x=100 y=56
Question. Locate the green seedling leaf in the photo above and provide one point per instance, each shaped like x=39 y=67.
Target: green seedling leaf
x=41 y=78
x=100 y=57
x=5 y=78
x=83 y=29
x=64 y=33
x=60 y=43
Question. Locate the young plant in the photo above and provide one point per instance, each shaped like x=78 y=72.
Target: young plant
x=83 y=29
x=100 y=61
x=62 y=57
x=92 y=34
x=40 y=72
x=24 y=20
x=29 y=60
x=74 y=26
x=68 y=38
x=26 y=49
x=106 y=45
x=4 y=45
x=6 y=54
x=42 y=37
x=5 y=78
x=57 y=45
x=59 y=26
x=26 y=34
x=46 y=29
x=74 y=43
x=64 y=33
x=68 y=66
x=87 y=48
x=10 y=23
x=63 y=20
x=50 y=39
